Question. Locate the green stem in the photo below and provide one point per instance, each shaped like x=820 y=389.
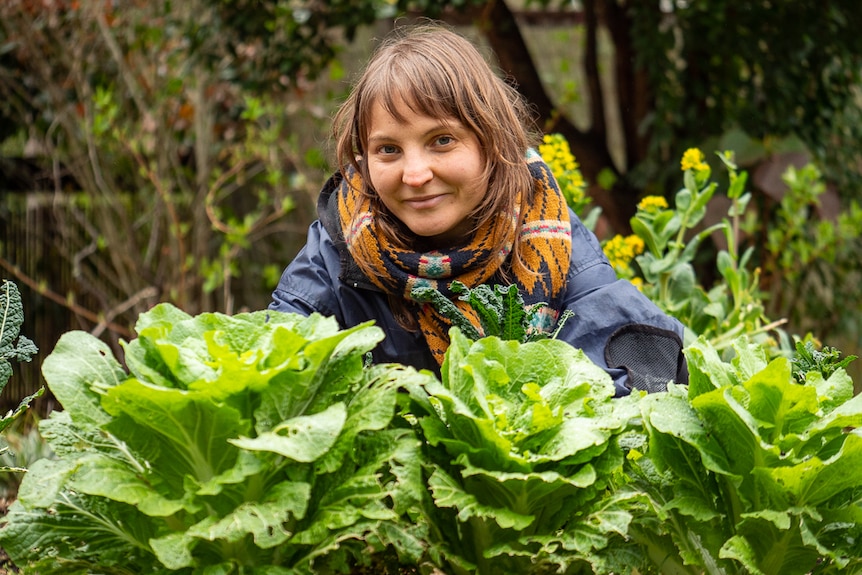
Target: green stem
x=482 y=541
x=667 y=561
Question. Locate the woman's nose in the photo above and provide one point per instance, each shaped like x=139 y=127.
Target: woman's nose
x=417 y=170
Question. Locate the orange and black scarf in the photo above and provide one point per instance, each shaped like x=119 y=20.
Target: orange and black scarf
x=544 y=240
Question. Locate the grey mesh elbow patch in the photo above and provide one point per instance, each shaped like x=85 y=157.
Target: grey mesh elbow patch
x=651 y=356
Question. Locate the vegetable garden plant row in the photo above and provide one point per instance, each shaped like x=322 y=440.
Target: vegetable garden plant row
x=265 y=443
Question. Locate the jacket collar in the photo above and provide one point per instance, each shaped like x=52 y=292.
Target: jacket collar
x=327 y=212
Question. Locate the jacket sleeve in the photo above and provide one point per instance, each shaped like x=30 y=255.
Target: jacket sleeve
x=618 y=327
x=309 y=283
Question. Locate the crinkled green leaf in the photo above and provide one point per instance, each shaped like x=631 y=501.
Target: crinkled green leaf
x=45 y=480
x=11 y=315
x=755 y=469
x=833 y=391
x=5 y=372
x=514 y=320
x=79 y=371
x=446 y=308
x=11 y=318
x=304 y=438
x=488 y=305
x=264 y=520
x=169 y=443
x=115 y=479
x=448 y=493
x=86 y=529
x=179 y=431
x=679 y=434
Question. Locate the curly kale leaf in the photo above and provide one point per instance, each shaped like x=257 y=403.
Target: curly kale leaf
x=12 y=346
x=826 y=360
x=501 y=311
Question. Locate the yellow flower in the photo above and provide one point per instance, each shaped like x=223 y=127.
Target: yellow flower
x=693 y=159
x=621 y=251
x=555 y=151
x=652 y=204
x=557 y=154
x=635 y=244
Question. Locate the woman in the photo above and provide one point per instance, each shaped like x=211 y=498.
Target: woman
x=439 y=183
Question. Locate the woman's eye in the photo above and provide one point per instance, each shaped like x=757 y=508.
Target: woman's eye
x=388 y=149
x=444 y=140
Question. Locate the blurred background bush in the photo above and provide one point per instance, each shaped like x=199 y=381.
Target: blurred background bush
x=173 y=151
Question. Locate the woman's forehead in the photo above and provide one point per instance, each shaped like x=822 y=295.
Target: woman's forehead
x=407 y=102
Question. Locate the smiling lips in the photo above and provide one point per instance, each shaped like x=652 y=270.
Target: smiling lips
x=425 y=202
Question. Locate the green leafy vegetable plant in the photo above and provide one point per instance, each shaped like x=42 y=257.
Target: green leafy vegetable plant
x=750 y=472
x=825 y=361
x=13 y=346
x=523 y=444
x=253 y=443
x=500 y=309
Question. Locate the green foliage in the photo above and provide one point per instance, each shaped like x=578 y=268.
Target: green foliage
x=788 y=69
x=748 y=471
x=672 y=236
x=174 y=167
x=263 y=442
x=20 y=446
x=523 y=440
x=232 y=442
x=810 y=259
x=500 y=309
x=824 y=361
x=280 y=42
x=13 y=347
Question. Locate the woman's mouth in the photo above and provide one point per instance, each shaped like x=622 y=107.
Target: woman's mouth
x=425 y=202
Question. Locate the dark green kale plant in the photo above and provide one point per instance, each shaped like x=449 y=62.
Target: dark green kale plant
x=501 y=311
x=826 y=360
x=13 y=346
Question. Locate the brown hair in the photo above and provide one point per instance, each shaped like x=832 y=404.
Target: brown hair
x=441 y=74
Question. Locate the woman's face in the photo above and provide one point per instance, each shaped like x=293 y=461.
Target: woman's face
x=427 y=171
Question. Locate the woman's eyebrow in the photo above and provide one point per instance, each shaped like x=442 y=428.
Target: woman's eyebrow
x=379 y=138
x=444 y=126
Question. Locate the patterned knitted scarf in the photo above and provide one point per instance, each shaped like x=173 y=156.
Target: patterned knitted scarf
x=545 y=245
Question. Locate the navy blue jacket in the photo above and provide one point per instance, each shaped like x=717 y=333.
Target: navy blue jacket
x=324 y=278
